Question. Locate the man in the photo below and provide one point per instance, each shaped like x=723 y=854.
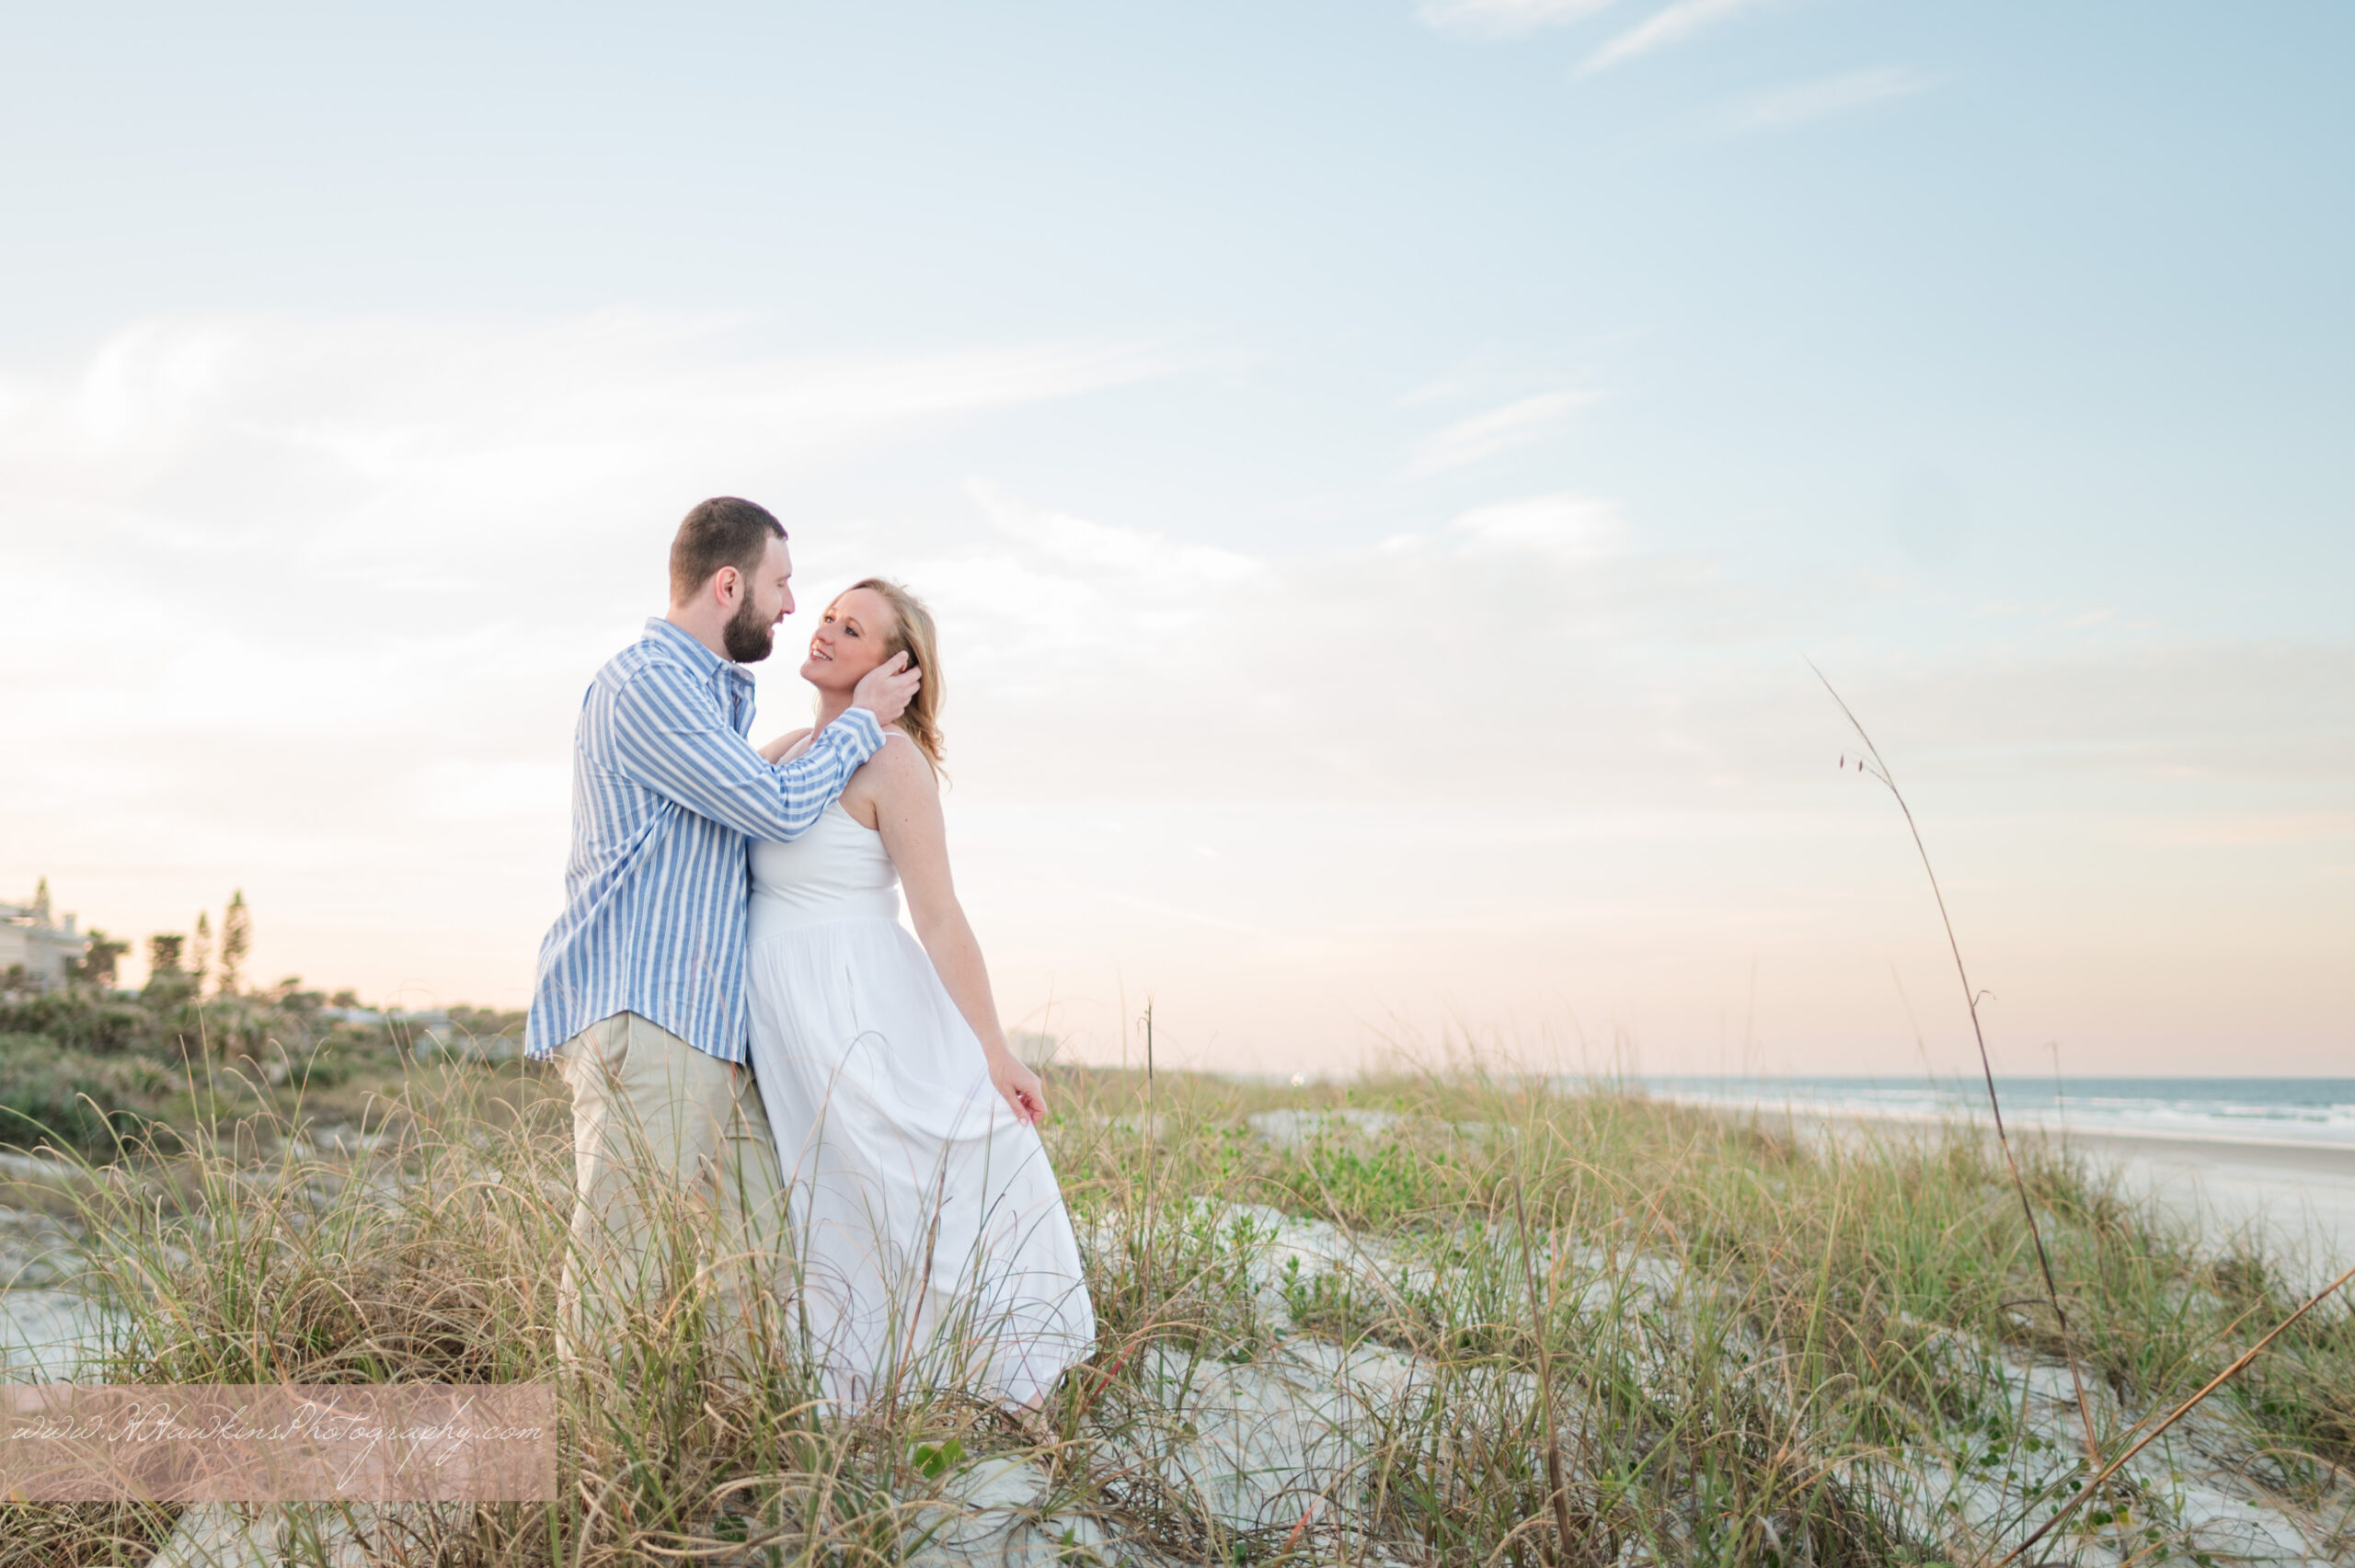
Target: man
x=640 y=997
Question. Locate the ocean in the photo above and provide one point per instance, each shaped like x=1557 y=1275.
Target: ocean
x=2236 y=1110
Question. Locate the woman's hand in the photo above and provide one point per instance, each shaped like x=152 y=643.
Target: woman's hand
x=1019 y=1085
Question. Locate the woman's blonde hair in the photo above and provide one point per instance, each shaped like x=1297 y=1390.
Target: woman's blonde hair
x=912 y=634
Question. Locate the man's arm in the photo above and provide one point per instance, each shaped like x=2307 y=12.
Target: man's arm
x=773 y=752
x=668 y=735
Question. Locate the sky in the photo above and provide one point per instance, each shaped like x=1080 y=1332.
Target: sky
x=1383 y=472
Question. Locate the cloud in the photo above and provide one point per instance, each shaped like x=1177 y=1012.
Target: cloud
x=1565 y=526
x=1047 y=595
x=355 y=575
x=1176 y=656
x=283 y=466
x=1672 y=24
x=1484 y=436
x=380 y=396
x=1512 y=747
x=1494 y=17
x=1159 y=564
x=1825 y=97
x=306 y=607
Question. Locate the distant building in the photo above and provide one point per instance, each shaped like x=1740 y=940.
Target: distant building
x=32 y=943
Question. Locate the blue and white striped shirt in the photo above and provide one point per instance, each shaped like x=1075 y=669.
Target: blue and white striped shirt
x=665 y=792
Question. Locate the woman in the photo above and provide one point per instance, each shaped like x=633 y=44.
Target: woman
x=931 y=1237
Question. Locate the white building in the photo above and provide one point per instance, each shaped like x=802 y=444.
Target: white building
x=31 y=938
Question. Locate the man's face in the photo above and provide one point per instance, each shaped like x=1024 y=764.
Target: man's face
x=766 y=598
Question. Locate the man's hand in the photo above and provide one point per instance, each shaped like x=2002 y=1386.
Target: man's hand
x=886 y=690
x=1020 y=1086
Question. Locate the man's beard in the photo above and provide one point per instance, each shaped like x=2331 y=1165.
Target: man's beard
x=749 y=637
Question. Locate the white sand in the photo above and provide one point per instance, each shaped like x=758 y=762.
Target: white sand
x=2297 y=1198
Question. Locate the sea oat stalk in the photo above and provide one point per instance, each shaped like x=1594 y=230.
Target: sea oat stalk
x=1872 y=766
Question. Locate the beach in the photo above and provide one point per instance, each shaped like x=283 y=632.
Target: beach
x=2298 y=1198
x=2293 y=1196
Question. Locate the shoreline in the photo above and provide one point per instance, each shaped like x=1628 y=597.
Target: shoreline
x=2321 y=1158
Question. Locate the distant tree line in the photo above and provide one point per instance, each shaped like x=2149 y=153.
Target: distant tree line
x=90 y=1057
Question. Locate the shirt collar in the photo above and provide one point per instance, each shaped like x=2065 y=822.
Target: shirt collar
x=701 y=658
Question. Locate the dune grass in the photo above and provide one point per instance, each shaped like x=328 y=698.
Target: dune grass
x=1618 y=1331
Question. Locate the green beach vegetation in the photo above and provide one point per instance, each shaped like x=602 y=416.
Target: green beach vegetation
x=1454 y=1316
x=81 y=1069
x=86 y=1064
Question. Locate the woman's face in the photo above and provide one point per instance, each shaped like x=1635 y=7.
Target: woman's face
x=852 y=637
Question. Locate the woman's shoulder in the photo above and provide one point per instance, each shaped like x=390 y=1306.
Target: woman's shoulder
x=898 y=766
x=902 y=758
x=895 y=777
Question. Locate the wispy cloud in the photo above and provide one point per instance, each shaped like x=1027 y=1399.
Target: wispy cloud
x=359 y=574
x=1566 y=526
x=369 y=562
x=1483 y=436
x=1130 y=552
x=1823 y=98
x=1500 y=16
x=1672 y=24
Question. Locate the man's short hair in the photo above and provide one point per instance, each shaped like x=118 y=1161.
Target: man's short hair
x=721 y=532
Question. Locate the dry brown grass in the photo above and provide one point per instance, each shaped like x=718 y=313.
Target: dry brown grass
x=1636 y=1329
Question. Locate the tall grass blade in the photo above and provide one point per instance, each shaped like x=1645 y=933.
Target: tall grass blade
x=2240 y=1363
x=1878 y=769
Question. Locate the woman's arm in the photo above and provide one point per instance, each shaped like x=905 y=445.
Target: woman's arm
x=907 y=813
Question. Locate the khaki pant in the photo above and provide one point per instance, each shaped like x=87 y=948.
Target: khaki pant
x=669 y=1143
